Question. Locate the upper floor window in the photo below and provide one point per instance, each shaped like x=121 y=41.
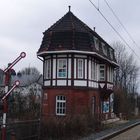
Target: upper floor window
x=104 y=48
x=102 y=73
x=80 y=68
x=111 y=53
x=93 y=70
x=62 y=68
x=47 y=72
x=110 y=74
x=60 y=105
x=96 y=41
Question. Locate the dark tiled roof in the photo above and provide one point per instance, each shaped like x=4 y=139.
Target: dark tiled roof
x=70 y=33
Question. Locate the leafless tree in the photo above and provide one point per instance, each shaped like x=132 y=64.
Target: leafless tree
x=29 y=75
x=126 y=78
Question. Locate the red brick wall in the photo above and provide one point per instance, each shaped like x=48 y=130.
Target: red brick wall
x=78 y=101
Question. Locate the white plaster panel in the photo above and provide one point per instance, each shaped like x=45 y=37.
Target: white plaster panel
x=47 y=83
x=95 y=85
x=61 y=82
x=80 y=83
x=69 y=68
x=98 y=72
x=89 y=72
x=85 y=69
x=102 y=85
x=89 y=84
x=53 y=82
x=69 y=82
x=74 y=68
x=54 y=68
x=110 y=86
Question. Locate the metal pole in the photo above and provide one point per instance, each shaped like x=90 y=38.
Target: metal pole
x=5 y=109
x=7 y=81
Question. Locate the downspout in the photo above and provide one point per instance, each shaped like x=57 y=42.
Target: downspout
x=40 y=114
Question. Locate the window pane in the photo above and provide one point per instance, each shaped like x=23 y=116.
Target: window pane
x=80 y=68
x=102 y=72
x=62 y=68
x=60 y=105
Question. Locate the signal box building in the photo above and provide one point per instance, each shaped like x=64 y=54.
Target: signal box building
x=78 y=68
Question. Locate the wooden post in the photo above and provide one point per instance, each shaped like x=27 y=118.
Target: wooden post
x=13 y=136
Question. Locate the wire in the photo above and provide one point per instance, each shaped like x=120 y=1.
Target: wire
x=121 y=23
x=113 y=28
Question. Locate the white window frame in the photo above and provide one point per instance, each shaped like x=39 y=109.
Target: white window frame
x=61 y=70
x=80 y=68
x=102 y=78
x=47 y=72
x=61 y=105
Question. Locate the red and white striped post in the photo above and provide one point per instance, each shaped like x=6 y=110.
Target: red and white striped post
x=7 y=92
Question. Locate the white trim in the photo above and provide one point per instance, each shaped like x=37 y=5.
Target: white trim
x=74 y=51
x=80 y=67
x=4 y=120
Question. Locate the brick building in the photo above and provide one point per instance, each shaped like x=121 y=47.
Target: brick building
x=78 y=67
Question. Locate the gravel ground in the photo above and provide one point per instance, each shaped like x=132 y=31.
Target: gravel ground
x=131 y=134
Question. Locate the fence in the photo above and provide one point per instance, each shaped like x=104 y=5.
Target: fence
x=24 y=130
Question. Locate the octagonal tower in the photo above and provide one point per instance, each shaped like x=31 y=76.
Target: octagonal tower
x=78 y=68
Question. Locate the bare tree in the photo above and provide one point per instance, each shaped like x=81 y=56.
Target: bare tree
x=29 y=75
x=126 y=79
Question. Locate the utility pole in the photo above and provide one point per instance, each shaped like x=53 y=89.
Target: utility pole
x=7 y=91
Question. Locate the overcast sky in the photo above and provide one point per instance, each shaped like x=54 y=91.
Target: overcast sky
x=23 y=21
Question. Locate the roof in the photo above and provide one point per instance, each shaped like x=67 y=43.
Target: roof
x=70 y=33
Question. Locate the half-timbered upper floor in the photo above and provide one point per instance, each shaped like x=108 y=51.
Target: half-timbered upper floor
x=75 y=55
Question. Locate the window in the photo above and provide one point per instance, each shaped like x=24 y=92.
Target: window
x=93 y=105
x=102 y=72
x=96 y=43
x=93 y=70
x=111 y=53
x=105 y=107
x=110 y=74
x=60 y=105
x=104 y=48
x=62 y=68
x=47 y=73
x=80 y=68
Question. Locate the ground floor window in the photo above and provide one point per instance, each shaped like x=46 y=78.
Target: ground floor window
x=93 y=106
x=60 y=105
x=105 y=106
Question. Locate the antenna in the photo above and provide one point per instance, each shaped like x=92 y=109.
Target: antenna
x=69 y=8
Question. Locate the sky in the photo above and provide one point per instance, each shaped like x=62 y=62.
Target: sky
x=22 y=23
